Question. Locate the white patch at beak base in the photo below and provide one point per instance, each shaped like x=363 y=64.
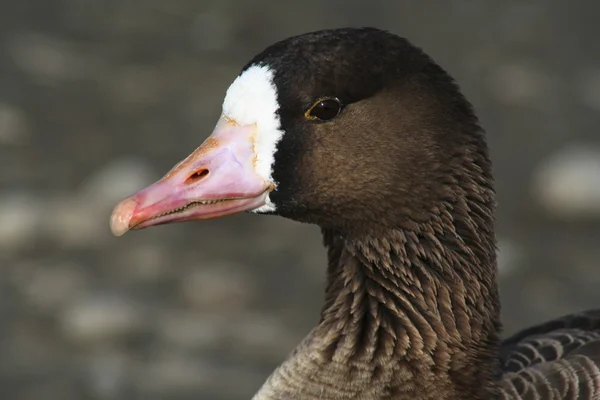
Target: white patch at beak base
x=252 y=99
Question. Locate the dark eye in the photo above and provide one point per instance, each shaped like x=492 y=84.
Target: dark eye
x=324 y=109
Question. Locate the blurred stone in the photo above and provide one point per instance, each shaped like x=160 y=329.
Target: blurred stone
x=101 y=318
x=173 y=374
x=525 y=23
x=520 y=84
x=116 y=180
x=20 y=214
x=549 y=295
x=82 y=220
x=13 y=125
x=146 y=262
x=48 y=59
x=191 y=330
x=29 y=347
x=136 y=85
x=108 y=374
x=220 y=286
x=261 y=335
x=589 y=87
x=244 y=332
x=567 y=184
x=55 y=389
x=52 y=287
x=179 y=373
x=212 y=31
x=509 y=256
x=74 y=223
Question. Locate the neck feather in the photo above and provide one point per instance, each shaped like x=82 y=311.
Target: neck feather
x=408 y=314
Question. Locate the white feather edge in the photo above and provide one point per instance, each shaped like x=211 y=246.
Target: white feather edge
x=252 y=99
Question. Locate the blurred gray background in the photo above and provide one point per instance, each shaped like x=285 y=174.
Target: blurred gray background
x=100 y=97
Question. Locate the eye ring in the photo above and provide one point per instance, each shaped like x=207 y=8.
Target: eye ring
x=324 y=109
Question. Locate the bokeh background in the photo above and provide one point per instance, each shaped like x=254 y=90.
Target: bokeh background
x=100 y=97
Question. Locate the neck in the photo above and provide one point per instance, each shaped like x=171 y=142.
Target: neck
x=408 y=314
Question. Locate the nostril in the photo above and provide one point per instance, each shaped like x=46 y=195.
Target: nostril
x=197 y=176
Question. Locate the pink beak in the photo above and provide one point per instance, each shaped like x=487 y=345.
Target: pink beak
x=216 y=180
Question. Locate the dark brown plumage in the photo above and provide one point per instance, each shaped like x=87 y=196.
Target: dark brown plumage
x=400 y=182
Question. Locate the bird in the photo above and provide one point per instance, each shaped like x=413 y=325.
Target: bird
x=360 y=132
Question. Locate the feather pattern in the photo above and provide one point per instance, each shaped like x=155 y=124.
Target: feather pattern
x=553 y=361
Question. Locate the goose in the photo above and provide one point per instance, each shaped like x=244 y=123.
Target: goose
x=360 y=132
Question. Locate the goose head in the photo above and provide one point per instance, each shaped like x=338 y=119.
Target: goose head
x=355 y=130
